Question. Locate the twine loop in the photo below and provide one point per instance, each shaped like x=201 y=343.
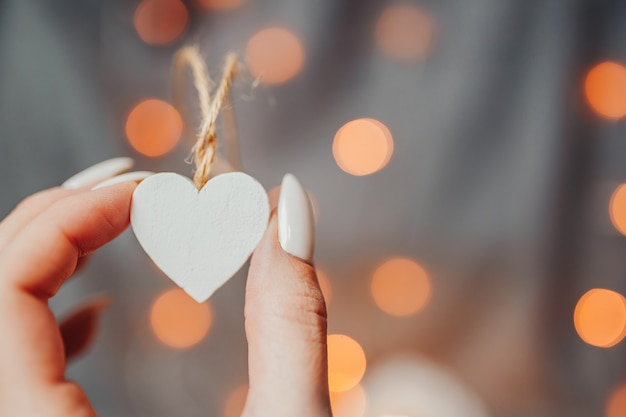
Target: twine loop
x=205 y=147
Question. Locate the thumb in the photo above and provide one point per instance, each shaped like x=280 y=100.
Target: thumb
x=286 y=316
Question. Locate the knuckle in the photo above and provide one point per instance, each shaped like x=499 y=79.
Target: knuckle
x=305 y=310
x=285 y=294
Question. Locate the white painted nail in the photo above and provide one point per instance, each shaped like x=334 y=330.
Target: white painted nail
x=99 y=172
x=296 y=227
x=129 y=176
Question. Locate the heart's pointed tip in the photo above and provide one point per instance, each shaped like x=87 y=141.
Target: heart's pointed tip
x=196 y=298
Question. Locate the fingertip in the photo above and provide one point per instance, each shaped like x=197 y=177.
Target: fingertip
x=266 y=247
x=271 y=254
x=130 y=177
x=272 y=196
x=122 y=190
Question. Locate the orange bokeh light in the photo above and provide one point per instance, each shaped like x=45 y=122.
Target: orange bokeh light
x=220 y=4
x=362 y=146
x=325 y=286
x=346 y=362
x=275 y=55
x=350 y=403
x=617 y=209
x=405 y=32
x=605 y=89
x=236 y=401
x=616 y=405
x=400 y=287
x=159 y=22
x=154 y=127
x=600 y=317
x=178 y=321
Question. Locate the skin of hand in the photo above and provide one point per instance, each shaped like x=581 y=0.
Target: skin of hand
x=49 y=234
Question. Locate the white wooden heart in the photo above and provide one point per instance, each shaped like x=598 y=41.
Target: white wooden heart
x=199 y=239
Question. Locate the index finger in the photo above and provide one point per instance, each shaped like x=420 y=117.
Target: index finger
x=45 y=253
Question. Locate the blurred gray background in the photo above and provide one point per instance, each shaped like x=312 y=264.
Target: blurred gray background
x=498 y=185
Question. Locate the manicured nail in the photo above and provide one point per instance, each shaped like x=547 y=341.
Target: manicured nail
x=99 y=172
x=296 y=230
x=136 y=176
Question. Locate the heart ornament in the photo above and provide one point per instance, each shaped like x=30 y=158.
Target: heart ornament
x=199 y=239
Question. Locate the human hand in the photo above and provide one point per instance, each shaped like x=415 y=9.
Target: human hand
x=48 y=235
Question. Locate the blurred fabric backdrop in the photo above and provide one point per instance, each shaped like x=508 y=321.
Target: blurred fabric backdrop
x=465 y=160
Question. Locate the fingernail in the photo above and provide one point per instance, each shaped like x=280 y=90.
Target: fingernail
x=296 y=231
x=129 y=176
x=99 y=172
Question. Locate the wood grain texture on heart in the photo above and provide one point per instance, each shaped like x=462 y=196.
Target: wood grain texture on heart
x=199 y=239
